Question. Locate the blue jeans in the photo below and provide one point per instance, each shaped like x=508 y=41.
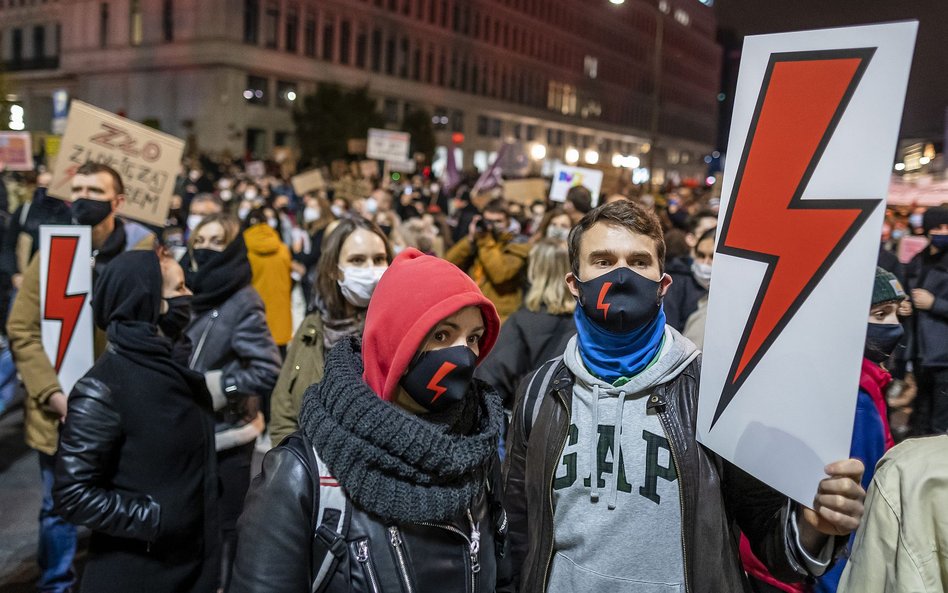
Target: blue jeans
x=57 y=539
x=7 y=378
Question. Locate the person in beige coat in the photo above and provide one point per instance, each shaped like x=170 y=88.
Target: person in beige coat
x=902 y=543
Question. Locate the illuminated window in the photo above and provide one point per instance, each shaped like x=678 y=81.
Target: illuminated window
x=135 y=22
x=591 y=67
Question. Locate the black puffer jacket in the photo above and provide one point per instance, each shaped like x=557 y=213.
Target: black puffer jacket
x=683 y=294
x=234 y=350
x=930 y=272
x=378 y=557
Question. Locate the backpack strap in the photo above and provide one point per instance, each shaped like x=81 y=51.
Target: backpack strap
x=330 y=525
x=537 y=388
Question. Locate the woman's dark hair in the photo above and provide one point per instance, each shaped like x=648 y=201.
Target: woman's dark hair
x=255 y=217
x=626 y=214
x=327 y=269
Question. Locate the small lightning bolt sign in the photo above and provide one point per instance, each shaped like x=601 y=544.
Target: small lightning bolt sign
x=801 y=101
x=60 y=305
x=435 y=383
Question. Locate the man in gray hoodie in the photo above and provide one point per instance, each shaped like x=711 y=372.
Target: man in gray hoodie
x=607 y=489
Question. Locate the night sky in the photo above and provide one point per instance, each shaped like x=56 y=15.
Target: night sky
x=927 y=95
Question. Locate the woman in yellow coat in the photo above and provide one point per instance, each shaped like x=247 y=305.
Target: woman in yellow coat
x=270 y=263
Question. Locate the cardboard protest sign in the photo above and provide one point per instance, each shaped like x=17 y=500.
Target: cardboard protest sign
x=525 y=191
x=147 y=160
x=815 y=123
x=308 y=181
x=16 y=151
x=387 y=145
x=565 y=177
x=65 y=293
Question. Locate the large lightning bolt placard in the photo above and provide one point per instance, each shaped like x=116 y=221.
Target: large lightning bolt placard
x=65 y=295
x=815 y=124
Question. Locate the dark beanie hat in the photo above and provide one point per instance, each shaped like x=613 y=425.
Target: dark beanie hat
x=414 y=294
x=934 y=218
x=886 y=287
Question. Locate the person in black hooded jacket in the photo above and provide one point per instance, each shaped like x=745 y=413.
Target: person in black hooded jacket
x=136 y=454
x=234 y=350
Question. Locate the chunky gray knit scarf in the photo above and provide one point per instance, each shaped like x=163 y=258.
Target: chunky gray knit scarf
x=390 y=463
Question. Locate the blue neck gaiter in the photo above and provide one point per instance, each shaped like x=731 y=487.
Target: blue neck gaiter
x=611 y=356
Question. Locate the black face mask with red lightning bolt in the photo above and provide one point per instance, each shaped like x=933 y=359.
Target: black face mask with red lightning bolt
x=620 y=301
x=438 y=379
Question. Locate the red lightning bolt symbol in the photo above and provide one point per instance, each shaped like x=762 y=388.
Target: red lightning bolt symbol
x=59 y=305
x=604 y=307
x=434 y=386
x=802 y=99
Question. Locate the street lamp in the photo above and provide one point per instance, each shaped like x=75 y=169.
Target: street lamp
x=617 y=2
x=591 y=156
x=538 y=152
x=572 y=156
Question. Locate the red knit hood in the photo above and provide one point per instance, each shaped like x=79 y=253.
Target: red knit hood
x=415 y=293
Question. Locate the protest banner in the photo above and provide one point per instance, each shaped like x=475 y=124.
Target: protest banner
x=147 y=160
x=815 y=124
x=308 y=181
x=387 y=145
x=16 y=151
x=566 y=177
x=65 y=295
x=525 y=191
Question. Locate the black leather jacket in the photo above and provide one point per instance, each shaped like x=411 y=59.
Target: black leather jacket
x=233 y=348
x=276 y=530
x=714 y=493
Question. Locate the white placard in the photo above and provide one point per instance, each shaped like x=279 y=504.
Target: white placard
x=65 y=296
x=388 y=145
x=816 y=119
x=566 y=177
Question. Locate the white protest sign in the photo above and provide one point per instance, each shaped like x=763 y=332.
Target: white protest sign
x=566 y=177
x=147 y=160
x=65 y=295
x=387 y=145
x=815 y=123
x=16 y=151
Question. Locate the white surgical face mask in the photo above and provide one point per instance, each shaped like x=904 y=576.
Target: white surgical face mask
x=557 y=232
x=243 y=212
x=337 y=211
x=273 y=222
x=193 y=221
x=702 y=274
x=916 y=220
x=371 y=205
x=227 y=195
x=310 y=214
x=358 y=284
x=251 y=194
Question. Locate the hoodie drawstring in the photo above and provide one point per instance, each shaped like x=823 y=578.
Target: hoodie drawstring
x=593 y=448
x=616 y=450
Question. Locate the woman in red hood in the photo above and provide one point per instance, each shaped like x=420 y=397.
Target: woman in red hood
x=401 y=432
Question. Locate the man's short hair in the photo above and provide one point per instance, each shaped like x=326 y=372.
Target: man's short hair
x=581 y=198
x=497 y=206
x=625 y=214
x=696 y=218
x=209 y=198
x=90 y=168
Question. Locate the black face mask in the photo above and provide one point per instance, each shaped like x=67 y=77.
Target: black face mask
x=202 y=256
x=438 y=379
x=173 y=322
x=881 y=341
x=620 y=301
x=90 y=212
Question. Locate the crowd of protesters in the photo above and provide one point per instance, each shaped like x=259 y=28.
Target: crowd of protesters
x=444 y=402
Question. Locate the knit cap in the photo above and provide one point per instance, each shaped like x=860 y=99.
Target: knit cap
x=886 y=287
x=934 y=218
x=414 y=294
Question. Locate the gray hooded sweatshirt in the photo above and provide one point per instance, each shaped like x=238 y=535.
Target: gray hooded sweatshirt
x=618 y=528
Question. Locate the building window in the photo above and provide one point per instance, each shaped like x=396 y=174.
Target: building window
x=376 y=50
x=361 y=42
x=390 y=110
x=135 y=22
x=271 y=25
x=309 y=35
x=345 y=41
x=286 y=94
x=17 y=49
x=531 y=133
x=403 y=58
x=292 y=29
x=495 y=127
x=483 y=125
x=282 y=138
x=251 y=21
x=167 y=20
x=256 y=91
x=457 y=122
x=39 y=41
x=390 y=56
x=329 y=28
x=104 y=24
x=590 y=67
